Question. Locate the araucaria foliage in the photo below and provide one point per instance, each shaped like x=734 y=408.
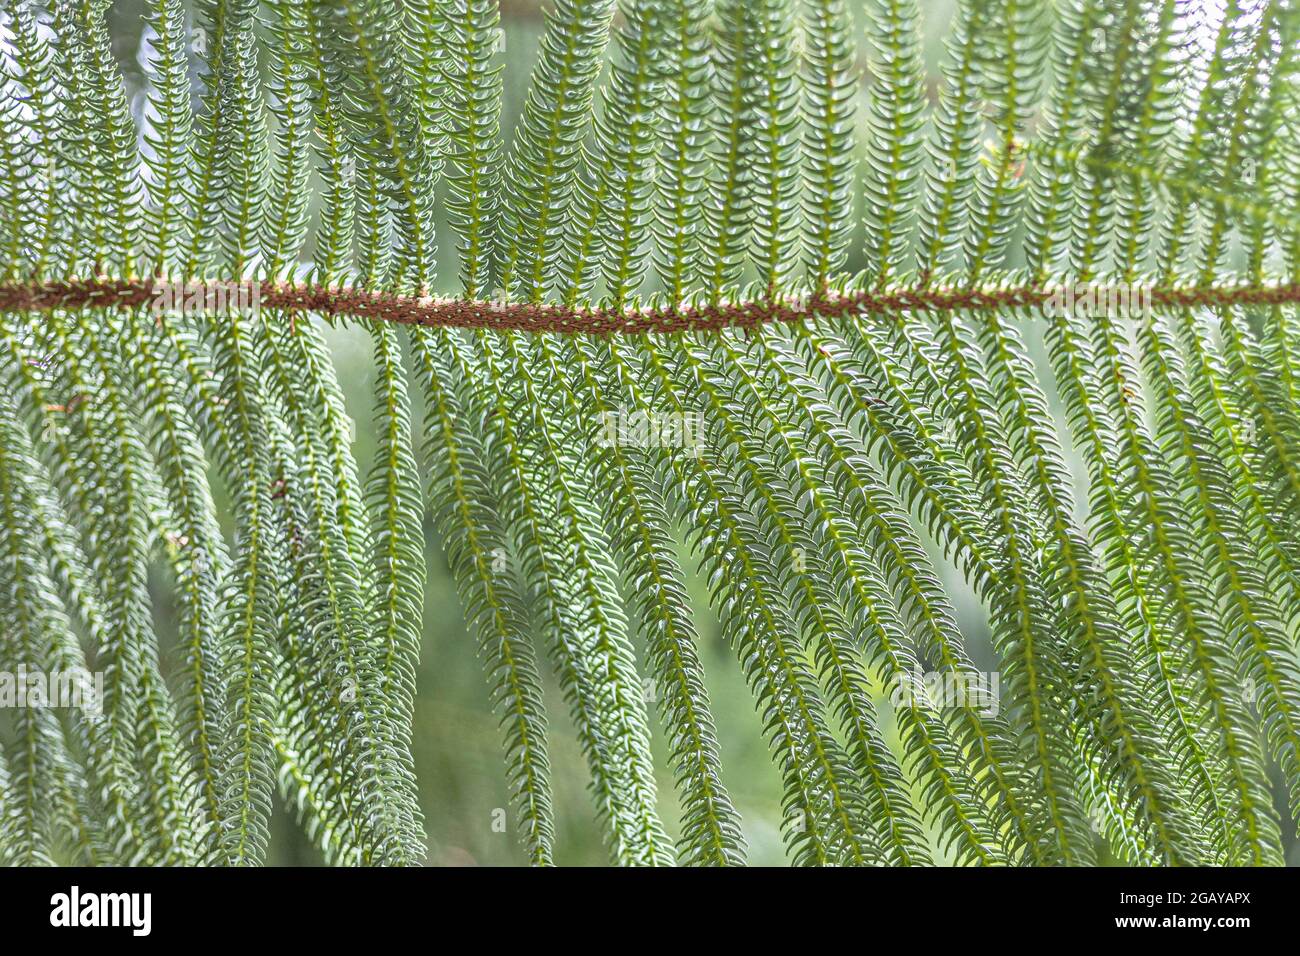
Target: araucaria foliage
x=736 y=289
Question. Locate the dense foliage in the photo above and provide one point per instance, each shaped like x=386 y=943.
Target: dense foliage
x=628 y=321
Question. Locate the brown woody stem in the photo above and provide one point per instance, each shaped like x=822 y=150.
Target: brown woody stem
x=458 y=313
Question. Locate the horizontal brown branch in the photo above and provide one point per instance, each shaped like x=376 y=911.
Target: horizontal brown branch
x=107 y=293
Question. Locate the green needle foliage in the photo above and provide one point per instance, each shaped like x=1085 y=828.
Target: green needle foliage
x=621 y=339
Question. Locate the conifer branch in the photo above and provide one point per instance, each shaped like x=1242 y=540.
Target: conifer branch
x=440 y=312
